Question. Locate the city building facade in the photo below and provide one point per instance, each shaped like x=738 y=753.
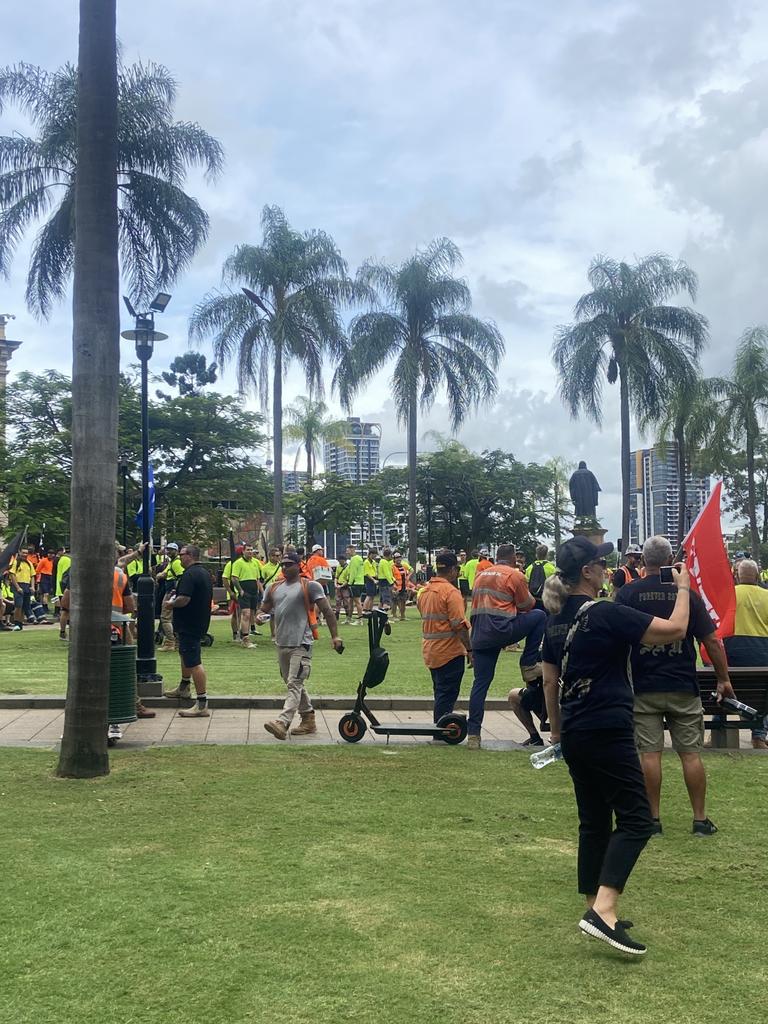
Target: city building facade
x=654 y=486
x=356 y=457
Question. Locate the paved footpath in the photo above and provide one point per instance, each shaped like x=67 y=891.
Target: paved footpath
x=41 y=727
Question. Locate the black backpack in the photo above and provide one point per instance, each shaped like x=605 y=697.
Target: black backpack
x=537 y=580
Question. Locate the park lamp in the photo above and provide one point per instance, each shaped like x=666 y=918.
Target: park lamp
x=144 y=333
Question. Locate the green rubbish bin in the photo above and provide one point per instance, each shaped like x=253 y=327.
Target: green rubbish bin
x=122 y=684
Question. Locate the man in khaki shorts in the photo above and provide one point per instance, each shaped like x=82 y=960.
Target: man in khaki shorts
x=664 y=678
x=292 y=602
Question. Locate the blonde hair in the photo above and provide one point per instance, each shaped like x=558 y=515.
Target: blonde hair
x=556 y=593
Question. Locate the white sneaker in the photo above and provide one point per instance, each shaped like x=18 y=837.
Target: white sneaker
x=114 y=732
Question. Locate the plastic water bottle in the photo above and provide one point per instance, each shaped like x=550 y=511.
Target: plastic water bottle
x=547 y=756
x=743 y=710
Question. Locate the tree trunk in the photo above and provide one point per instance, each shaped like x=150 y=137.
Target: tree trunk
x=277 y=434
x=624 y=399
x=557 y=529
x=764 y=488
x=412 y=445
x=752 y=498
x=95 y=368
x=682 y=502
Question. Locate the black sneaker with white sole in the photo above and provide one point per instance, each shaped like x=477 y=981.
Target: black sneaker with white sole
x=594 y=926
x=533 y=741
x=704 y=828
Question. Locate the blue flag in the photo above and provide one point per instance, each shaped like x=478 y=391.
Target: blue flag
x=140 y=513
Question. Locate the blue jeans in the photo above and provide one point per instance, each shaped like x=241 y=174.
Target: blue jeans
x=528 y=625
x=446 y=684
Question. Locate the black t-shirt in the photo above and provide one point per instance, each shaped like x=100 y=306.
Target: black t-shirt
x=596 y=691
x=620 y=577
x=195 y=617
x=665 y=668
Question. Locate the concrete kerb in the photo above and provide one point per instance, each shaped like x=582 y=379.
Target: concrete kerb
x=325 y=703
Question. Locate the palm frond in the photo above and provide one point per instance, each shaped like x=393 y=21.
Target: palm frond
x=53 y=256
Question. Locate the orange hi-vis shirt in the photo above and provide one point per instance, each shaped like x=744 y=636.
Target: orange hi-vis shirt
x=442 y=616
x=498 y=591
x=44 y=567
x=483 y=564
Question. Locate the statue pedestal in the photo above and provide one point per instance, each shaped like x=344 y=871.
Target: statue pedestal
x=592 y=531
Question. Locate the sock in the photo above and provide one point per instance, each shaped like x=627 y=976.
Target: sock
x=184 y=684
x=202 y=700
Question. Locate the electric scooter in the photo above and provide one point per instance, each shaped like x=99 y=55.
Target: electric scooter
x=451 y=728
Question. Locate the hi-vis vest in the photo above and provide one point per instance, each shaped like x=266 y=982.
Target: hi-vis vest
x=118 y=586
x=487 y=596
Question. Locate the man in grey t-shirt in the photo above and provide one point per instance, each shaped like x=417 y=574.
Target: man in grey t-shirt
x=292 y=602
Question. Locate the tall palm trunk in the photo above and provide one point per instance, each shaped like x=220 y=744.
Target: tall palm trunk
x=413 y=540
x=95 y=367
x=624 y=400
x=682 y=491
x=751 y=496
x=277 y=434
x=308 y=445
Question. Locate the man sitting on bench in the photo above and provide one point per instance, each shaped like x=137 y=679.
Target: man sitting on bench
x=748 y=647
x=664 y=679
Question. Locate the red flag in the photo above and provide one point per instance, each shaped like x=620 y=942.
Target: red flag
x=707 y=562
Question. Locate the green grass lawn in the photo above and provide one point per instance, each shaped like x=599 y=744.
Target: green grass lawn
x=228 y=885
x=35 y=661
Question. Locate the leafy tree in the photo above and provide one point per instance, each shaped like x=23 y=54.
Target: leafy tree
x=332 y=504
x=289 y=313
x=160 y=226
x=559 y=502
x=742 y=402
x=200 y=450
x=189 y=373
x=427 y=330
x=95 y=373
x=625 y=331
x=311 y=425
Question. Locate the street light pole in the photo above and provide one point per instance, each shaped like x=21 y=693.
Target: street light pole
x=145 y=337
x=123 y=467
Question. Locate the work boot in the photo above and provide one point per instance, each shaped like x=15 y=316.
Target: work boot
x=144 y=712
x=531 y=673
x=195 y=712
x=181 y=693
x=759 y=744
x=247 y=642
x=278 y=729
x=307 y=727
x=473 y=742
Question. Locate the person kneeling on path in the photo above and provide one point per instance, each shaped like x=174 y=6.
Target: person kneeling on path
x=502 y=613
x=445 y=633
x=292 y=602
x=190 y=604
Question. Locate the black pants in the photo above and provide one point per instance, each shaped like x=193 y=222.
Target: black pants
x=446 y=684
x=608 y=781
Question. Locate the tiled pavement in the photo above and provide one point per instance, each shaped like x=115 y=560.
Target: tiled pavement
x=41 y=727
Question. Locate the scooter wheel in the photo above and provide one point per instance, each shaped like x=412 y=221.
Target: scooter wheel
x=352 y=728
x=111 y=741
x=454 y=728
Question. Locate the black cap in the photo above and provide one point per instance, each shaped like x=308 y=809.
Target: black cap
x=577 y=553
x=290 y=556
x=446 y=560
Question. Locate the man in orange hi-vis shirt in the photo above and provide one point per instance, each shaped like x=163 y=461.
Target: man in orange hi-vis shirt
x=444 y=633
x=44 y=577
x=503 y=612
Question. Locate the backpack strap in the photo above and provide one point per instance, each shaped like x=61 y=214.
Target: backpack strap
x=569 y=638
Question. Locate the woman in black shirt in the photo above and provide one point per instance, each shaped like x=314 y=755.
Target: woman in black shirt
x=585 y=655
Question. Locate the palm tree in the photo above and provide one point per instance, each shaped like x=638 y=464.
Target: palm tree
x=95 y=366
x=427 y=329
x=626 y=332
x=287 y=311
x=310 y=425
x=161 y=228
x=686 y=419
x=742 y=405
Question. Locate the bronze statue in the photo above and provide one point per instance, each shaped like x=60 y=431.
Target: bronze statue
x=584 y=489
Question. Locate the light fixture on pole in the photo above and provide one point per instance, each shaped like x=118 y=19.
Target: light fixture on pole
x=144 y=335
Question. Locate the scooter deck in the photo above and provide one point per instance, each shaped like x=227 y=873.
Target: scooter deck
x=408 y=730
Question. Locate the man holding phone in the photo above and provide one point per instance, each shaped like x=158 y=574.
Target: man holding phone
x=664 y=679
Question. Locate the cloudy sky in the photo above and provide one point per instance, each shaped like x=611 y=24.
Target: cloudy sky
x=534 y=135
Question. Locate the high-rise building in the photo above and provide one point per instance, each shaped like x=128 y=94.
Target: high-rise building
x=355 y=457
x=653 y=494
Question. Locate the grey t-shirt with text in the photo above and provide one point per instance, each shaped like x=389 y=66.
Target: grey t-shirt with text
x=290 y=611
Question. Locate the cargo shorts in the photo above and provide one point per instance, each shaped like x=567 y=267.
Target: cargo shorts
x=684 y=716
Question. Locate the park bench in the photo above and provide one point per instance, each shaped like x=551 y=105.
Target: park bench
x=750 y=686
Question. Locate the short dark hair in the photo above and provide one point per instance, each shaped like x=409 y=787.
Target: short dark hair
x=386 y=553
x=505 y=551
x=193 y=551
x=542 y=551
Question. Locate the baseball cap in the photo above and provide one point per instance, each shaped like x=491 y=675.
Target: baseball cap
x=633 y=549
x=290 y=556
x=446 y=560
x=577 y=553
x=172 y=547
x=317 y=547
